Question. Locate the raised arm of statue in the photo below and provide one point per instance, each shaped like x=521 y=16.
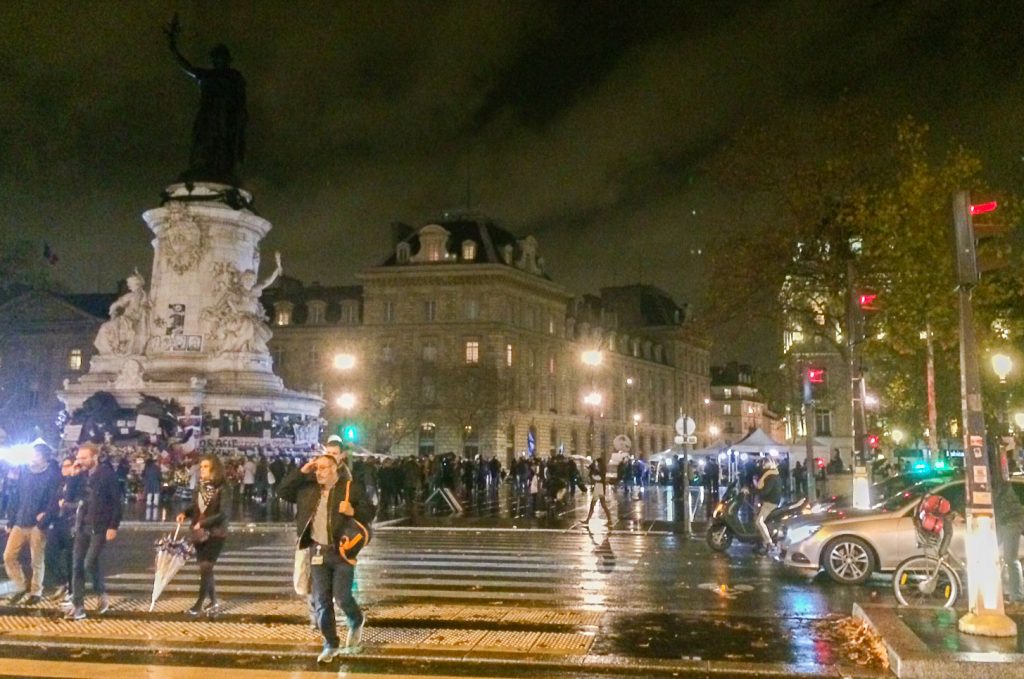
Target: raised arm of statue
x=120 y=303
x=278 y=270
x=171 y=31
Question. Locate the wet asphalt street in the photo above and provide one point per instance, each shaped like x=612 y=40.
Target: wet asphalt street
x=632 y=598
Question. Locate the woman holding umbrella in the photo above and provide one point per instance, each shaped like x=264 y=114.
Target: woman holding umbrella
x=209 y=516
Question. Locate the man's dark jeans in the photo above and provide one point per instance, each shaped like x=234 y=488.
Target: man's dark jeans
x=59 y=548
x=88 y=548
x=332 y=581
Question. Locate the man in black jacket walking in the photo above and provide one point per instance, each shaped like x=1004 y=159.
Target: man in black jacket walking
x=35 y=505
x=338 y=508
x=99 y=516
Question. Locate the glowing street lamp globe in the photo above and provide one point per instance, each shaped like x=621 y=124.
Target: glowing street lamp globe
x=592 y=357
x=592 y=399
x=346 y=401
x=1002 y=366
x=897 y=436
x=344 y=361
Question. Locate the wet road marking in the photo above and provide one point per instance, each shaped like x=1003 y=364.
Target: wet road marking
x=55 y=669
x=725 y=591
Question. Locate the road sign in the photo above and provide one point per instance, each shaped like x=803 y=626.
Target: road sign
x=690 y=440
x=685 y=426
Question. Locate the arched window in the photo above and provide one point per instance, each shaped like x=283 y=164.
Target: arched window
x=427 y=437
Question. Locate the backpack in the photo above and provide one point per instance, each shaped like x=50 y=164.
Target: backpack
x=932 y=512
x=355 y=535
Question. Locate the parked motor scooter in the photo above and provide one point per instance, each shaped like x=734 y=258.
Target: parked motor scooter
x=733 y=519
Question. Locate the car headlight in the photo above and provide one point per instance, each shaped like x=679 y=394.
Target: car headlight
x=801 y=533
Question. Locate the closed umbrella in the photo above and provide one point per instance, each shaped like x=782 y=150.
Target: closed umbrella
x=171 y=555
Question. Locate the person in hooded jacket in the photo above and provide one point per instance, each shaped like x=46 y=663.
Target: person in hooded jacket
x=34 y=507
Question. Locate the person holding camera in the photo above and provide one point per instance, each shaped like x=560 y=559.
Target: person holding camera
x=208 y=515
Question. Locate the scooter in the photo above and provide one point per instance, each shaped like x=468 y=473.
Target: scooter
x=733 y=520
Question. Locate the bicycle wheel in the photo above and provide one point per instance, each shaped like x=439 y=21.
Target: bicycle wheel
x=925 y=581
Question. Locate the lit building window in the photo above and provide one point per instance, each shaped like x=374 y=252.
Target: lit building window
x=389 y=312
x=428 y=432
x=472 y=352
x=551 y=365
x=472 y=309
x=468 y=250
x=430 y=310
x=727 y=409
x=283 y=313
x=508 y=355
x=75 y=359
x=727 y=393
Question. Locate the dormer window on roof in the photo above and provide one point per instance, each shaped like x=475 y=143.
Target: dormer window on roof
x=433 y=245
x=468 y=250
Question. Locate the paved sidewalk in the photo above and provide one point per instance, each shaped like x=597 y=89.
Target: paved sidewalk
x=543 y=636
x=926 y=643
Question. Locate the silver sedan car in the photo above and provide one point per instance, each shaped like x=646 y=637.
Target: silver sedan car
x=853 y=547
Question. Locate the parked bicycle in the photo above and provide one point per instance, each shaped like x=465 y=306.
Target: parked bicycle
x=932 y=578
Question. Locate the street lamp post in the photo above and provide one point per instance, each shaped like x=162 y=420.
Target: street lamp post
x=593 y=401
x=592 y=358
x=636 y=424
x=344 y=364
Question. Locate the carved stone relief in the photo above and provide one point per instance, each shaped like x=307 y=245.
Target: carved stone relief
x=185 y=240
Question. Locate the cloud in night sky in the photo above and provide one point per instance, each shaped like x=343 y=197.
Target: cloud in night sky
x=586 y=124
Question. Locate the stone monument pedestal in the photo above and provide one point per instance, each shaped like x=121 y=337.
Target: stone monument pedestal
x=199 y=336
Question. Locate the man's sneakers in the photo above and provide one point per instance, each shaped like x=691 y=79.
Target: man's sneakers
x=75 y=613
x=17 y=598
x=31 y=600
x=328 y=654
x=104 y=604
x=355 y=636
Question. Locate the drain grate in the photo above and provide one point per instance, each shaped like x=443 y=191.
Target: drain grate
x=563 y=644
x=507 y=641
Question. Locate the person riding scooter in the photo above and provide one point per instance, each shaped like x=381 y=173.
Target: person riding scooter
x=769 y=491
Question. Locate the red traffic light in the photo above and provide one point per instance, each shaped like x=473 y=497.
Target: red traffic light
x=982 y=208
x=872 y=440
x=816 y=375
x=866 y=301
x=820 y=461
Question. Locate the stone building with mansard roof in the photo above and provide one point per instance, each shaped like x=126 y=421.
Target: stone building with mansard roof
x=463 y=343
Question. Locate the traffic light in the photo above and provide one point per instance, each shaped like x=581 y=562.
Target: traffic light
x=349 y=433
x=814 y=383
x=868 y=301
x=969 y=265
x=873 y=441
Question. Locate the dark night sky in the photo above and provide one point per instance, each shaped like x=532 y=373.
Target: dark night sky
x=586 y=124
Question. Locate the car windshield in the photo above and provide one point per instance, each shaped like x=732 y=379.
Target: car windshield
x=906 y=496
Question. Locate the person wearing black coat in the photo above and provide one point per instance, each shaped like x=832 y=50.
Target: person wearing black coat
x=96 y=524
x=335 y=528
x=34 y=508
x=61 y=540
x=208 y=515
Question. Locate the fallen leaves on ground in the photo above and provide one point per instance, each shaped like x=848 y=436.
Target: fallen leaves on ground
x=856 y=640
